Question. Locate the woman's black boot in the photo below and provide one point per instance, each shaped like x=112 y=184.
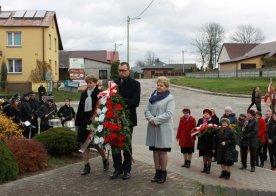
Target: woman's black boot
x=86 y=169
x=188 y=163
x=204 y=168
x=208 y=169
x=156 y=176
x=222 y=175
x=162 y=178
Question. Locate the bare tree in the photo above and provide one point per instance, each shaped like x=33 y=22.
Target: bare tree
x=200 y=43
x=140 y=63
x=214 y=37
x=150 y=57
x=247 y=34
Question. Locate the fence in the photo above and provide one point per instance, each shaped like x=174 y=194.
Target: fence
x=247 y=73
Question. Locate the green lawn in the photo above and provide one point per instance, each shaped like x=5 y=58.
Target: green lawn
x=224 y=85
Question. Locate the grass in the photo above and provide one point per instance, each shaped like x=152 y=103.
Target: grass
x=224 y=85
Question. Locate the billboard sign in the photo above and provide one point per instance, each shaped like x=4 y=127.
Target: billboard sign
x=76 y=74
x=76 y=63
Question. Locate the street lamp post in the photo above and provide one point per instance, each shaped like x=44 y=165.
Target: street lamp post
x=128 y=22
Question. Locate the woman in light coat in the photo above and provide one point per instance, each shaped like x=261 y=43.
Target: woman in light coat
x=160 y=130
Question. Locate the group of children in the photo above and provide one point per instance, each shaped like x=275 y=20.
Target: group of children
x=250 y=131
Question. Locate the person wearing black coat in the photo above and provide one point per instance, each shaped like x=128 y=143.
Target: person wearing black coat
x=35 y=104
x=86 y=109
x=205 y=141
x=271 y=140
x=249 y=139
x=26 y=113
x=224 y=146
x=15 y=111
x=66 y=112
x=46 y=112
x=130 y=91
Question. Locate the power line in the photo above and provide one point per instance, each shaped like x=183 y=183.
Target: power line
x=145 y=9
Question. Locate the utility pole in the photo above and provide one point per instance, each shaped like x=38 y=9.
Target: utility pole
x=183 y=61
x=128 y=22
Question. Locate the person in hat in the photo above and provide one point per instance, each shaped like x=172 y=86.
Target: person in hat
x=86 y=109
x=46 y=112
x=26 y=114
x=249 y=140
x=34 y=105
x=66 y=112
x=224 y=146
x=228 y=113
x=205 y=142
x=186 y=142
x=41 y=91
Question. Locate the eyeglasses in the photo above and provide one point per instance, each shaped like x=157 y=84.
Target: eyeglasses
x=122 y=70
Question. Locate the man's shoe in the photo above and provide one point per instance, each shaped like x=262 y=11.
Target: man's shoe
x=115 y=174
x=126 y=176
x=252 y=169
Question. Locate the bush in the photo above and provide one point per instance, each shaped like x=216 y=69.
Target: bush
x=30 y=154
x=8 y=166
x=59 y=141
x=9 y=129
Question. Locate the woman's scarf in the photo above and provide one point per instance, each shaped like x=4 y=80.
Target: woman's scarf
x=158 y=96
x=88 y=101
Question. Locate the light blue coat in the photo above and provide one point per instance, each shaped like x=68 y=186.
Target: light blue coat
x=162 y=134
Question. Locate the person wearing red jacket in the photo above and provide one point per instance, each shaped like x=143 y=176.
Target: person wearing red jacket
x=186 y=142
x=261 y=138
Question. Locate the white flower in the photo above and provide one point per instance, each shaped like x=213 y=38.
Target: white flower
x=210 y=125
x=99 y=111
x=96 y=119
x=101 y=140
x=100 y=128
x=103 y=101
x=104 y=109
x=101 y=118
x=107 y=147
x=96 y=140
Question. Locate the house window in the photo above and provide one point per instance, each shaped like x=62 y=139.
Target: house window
x=102 y=74
x=50 y=46
x=14 y=39
x=14 y=65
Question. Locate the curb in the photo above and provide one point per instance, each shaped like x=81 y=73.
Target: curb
x=231 y=191
x=211 y=93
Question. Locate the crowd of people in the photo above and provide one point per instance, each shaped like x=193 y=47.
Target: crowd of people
x=217 y=138
x=33 y=115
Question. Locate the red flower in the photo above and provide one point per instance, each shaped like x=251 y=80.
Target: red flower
x=121 y=144
x=121 y=138
x=109 y=114
x=113 y=136
x=118 y=107
x=106 y=139
x=107 y=124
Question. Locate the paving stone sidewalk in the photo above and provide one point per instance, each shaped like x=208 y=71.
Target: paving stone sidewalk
x=67 y=181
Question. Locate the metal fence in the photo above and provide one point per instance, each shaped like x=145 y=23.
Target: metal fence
x=248 y=73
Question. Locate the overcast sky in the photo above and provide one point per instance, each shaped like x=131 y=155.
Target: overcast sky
x=166 y=28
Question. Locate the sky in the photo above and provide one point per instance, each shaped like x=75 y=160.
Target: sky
x=165 y=28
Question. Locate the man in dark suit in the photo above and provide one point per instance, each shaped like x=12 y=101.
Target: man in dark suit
x=130 y=91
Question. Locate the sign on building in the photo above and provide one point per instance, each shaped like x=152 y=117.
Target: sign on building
x=76 y=63
x=76 y=74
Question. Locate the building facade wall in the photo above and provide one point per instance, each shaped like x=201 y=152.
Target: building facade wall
x=237 y=65
x=223 y=55
x=94 y=67
x=32 y=41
